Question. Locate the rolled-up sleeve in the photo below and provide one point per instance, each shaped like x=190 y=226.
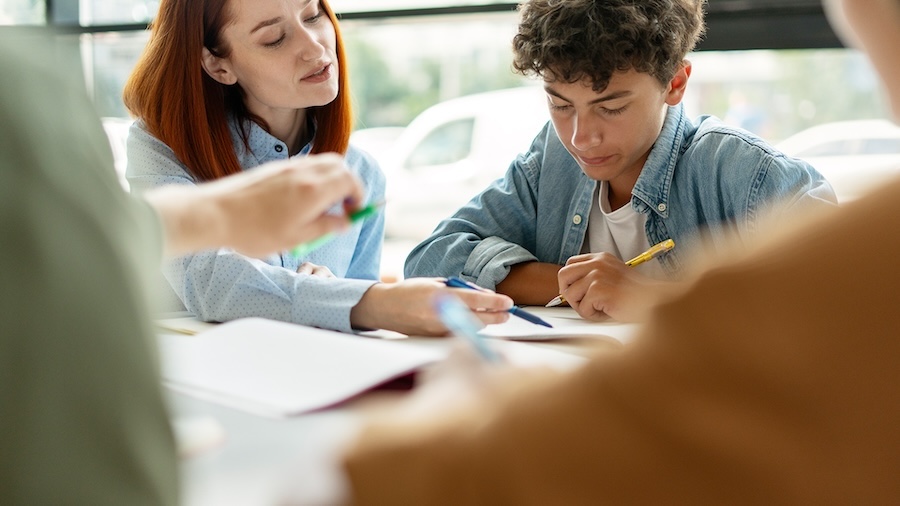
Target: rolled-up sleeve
x=495 y=230
x=223 y=285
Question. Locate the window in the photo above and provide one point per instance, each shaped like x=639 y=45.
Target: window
x=108 y=59
x=770 y=66
x=113 y=12
x=22 y=12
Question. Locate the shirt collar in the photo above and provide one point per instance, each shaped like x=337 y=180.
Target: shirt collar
x=264 y=147
x=655 y=182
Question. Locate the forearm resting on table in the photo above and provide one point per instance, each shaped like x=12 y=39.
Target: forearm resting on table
x=531 y=283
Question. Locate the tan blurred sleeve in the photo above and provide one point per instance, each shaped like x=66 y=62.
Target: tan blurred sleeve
x=771 y=379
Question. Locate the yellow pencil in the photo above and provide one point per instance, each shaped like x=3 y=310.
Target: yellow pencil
x=638 y=260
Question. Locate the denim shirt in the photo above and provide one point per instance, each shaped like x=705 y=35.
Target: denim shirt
x=704 y=176
x=222 y=285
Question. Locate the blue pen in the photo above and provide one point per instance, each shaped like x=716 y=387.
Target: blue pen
x=455 y=282
x=457 y=317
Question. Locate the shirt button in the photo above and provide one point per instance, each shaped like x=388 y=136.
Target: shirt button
x=279 y=148
x=576 y=219
x=662 y=208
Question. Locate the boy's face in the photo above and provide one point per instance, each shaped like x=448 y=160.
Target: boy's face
x=610 y=133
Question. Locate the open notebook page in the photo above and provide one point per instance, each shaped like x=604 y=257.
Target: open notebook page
x=566 y=324
x=280 y=369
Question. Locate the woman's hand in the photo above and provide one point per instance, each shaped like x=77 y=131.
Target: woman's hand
x=408 y=306
x=315 y=270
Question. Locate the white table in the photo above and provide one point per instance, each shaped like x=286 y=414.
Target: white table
x=264 y=461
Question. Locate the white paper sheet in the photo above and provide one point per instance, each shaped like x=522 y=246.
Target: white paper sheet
x=281 y=369
x=566 y=324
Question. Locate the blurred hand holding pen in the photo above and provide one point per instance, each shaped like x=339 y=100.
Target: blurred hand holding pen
x=355 y=216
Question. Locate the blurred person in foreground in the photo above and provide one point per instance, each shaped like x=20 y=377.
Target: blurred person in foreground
x=82 y=418
x=771 y=378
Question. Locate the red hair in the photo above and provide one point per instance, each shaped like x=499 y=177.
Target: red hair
x=188 y=110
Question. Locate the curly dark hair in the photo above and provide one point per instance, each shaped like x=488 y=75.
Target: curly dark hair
x=569 y=40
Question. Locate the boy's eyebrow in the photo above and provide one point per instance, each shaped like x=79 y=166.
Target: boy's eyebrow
x=612 y=96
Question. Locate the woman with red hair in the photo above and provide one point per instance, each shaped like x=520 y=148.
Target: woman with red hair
x=226 y=85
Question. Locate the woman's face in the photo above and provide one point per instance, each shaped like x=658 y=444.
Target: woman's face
x=282 y=53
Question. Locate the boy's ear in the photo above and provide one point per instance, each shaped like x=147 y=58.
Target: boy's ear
x=217 y=68
x=678 y=84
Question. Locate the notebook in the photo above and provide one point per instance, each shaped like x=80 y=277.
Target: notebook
x=281 y=369
x=567 y=324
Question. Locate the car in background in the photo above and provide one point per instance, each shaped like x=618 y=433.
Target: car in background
x=375 y=140
x=452 y=151
x=854 y=156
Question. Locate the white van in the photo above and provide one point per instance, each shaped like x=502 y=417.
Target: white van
x=451 y=151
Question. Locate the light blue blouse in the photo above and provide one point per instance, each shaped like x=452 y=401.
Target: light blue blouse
x=222 y=285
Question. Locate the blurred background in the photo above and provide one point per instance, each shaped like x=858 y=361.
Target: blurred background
x=438 y=105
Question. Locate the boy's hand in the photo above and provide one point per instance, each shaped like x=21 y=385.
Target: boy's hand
x=599 y=284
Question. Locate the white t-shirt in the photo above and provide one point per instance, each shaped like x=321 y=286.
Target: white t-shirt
x=620 y=232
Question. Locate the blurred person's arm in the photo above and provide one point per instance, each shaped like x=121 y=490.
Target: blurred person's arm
x=272 y=208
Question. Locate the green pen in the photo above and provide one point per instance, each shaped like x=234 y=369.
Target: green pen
x=360 y=214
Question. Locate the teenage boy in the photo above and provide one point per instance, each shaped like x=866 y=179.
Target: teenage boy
x=619 y=168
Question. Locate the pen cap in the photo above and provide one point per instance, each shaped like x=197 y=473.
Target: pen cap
x=455 y=315
x=458 y=318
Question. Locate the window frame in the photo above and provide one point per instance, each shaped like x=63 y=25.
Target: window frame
x=731 y=24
